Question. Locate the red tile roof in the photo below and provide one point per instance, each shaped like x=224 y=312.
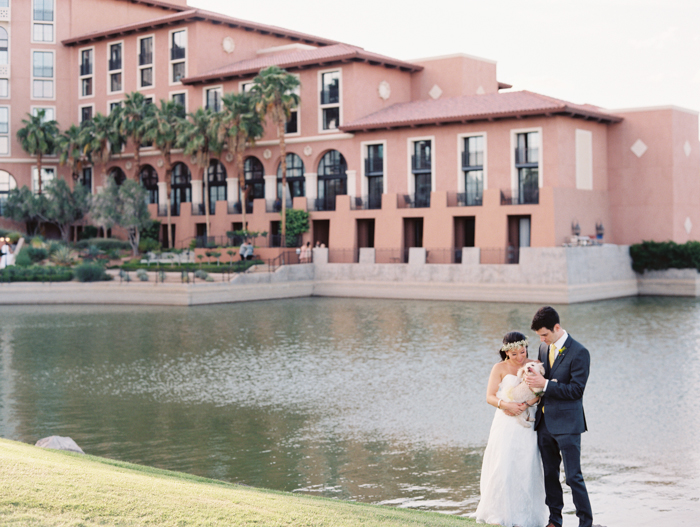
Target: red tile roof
x=189 y=15
x=475 y=108
x=158 y=3
x=301 y=59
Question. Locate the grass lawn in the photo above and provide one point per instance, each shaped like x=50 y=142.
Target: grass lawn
x=40 y=487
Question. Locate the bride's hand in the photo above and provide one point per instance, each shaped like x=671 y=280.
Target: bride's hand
x=513 y=409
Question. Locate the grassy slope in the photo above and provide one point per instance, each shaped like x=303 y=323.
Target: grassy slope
x=49 y=487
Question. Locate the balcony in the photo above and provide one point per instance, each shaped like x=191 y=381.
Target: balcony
x=174 y=210
x=374 y=166
x=420 y=164
x=419 y=200
x=235 y=208
x=115 y=64
x=526 y=196
x=322 y=204
x=275 y=205
x=371 y=202
x=177 y=53
x=198 y=209
x=86 y=68
x=464 y=199
x=330 y=96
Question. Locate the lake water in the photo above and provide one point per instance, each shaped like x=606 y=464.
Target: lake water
x=369 y=400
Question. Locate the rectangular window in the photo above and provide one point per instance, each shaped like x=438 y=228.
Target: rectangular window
x=85 y=113
x=114 y=105
x=292 y=125
x=4 y=130
x=421 y=167
x=43 y=19
x=213 y=101
x=86 y=87
x=86 y=62
x=86 y=72
x=178 y=53
x=527 y=158
x=43 y=10
x=49 y=114
x=43 y=32
x=246 y=87
x=374 y=172
x=47 y=174
x=4 y=88
x=115 y=57
x=584 y=159
x=330 y=100
x=473 y=168
x=146 y=62
x=115 y=82
x=86 y=178
x=181 y=99
x=42 y=69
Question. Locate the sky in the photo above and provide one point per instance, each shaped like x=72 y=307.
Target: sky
x=612 y=53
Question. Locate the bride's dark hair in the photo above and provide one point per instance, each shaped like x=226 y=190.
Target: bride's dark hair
x=513 y=336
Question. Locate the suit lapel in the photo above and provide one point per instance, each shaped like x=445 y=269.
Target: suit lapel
x=560 y=356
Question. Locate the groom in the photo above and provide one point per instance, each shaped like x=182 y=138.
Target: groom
x=560 y=419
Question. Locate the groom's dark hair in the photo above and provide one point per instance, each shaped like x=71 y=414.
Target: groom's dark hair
x=546 y=317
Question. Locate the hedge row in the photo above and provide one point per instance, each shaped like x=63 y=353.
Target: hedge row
x=237 y=267
x=657 y=256
x=103 y=244
x=36 y=274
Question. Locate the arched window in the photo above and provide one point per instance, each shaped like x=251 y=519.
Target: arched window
x=7 y=183
x=295 y=177
x=181 y=187
x=149 y=179
x=216 y=181
x=255 y=178
x=118 y=175
x=332 y=179
x=4 y=56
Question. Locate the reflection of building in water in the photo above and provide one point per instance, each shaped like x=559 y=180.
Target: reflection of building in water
x=383 y=153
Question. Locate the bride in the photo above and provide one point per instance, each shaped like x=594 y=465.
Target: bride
x=512 y=484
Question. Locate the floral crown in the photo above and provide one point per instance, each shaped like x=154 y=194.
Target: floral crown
x=515 y=345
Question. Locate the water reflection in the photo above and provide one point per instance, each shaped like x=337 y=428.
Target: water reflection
x=378 y=401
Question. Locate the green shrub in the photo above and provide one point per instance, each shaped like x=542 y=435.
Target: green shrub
x=62 y=256
x=104 y=244
x=37 y=254
x=237 y=267
x=36 y=274
x=90 y=272
x=656 y=256
x=202 y=275
x=23 y=259
x=88 y=232
x=142 y=275
x=148 y=244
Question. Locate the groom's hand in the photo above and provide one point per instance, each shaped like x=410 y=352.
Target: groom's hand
x=535 y=380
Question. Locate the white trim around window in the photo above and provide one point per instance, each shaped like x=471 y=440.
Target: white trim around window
x=513 y=145
x=80 y=111
x=111 y=103
x=219 y=88
x=339 y=104
x=151 y=65
x=6 y=137
x=81 y=78
x=112 y=72
x=172 y=62
x=363 y=155
x=411 y=182
x=44 y=168
x=460 y=149
x=9 y=95
x=51 y=79
x=179 y=92
x=242 y=84
x=51 y=23
x=297 y=109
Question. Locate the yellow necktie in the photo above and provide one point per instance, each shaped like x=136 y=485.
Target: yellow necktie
x=552 y=354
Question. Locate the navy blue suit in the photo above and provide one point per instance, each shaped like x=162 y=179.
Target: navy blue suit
x=560 y=421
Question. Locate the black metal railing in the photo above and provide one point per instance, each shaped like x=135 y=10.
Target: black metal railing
x=291 y=257
x=525 y=196
x=115 y=64
x=370 y=202
x=419 y=200
x=464 y=199
x=344 y=255
x=235 y=208
x=198 y=209
x=86 y=68
x=420 y=164
x=275 y=205
x=145 y=58
x=174 y=210
x=321 y=204
x=508 y=255
x=527 y=156
x=390 y=256
x=443 y=256
x=330 y=96
x=277 y=240
x=374 y=166
x=176 y=52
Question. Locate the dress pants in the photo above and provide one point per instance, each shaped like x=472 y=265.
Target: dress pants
x=553 y=449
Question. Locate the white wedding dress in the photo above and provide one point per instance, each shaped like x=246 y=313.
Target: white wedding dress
x=512 y=483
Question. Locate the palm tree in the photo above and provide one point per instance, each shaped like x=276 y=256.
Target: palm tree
x=71 y=146
x=240 y=126
x=104 y=138
x=199 y=139
x=162 y=128
x=38 y=138
x=134 y=113
x=275 y=91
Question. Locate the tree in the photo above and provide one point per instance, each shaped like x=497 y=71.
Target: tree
x=23 y=205
x=240 y=126
x=199 y=139
x=162 y=128
x=64 y=206
x=297 y=223
x=104 y=138
x=123 y=205
x=38 y=138
x=72 y=149
x=132 y=119
x=275 y=91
